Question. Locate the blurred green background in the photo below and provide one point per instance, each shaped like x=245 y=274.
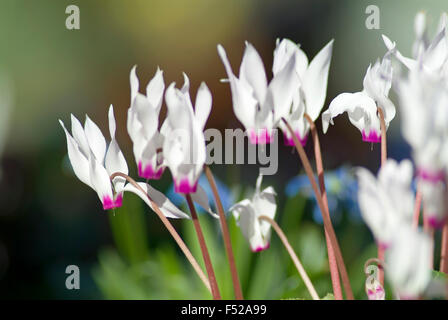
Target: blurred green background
x=49 y=219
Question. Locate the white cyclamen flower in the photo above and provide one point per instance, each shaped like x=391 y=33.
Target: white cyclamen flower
x=387 y=201
x=310 y=96
x=257 y=105
x=92 y=164
x=143 y=124
x=247 y=212
x=408 y=262
x=184 y=144
x=362 y=106
x=432 y=56
x=423 y=105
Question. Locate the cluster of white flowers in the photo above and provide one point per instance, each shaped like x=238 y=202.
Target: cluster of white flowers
x=423 y=95
x=387 y=203
x=295 y=95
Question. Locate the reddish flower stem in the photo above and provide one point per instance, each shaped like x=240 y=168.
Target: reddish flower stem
x=204 y=250
x=170 y=229
x=325 y=214
x=292 y=254
x=337 y=290
x=444 y=250
x=225 y=234
x=383 y=161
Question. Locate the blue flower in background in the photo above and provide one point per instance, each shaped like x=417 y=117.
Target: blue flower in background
x=342 y=191
x=227 y=197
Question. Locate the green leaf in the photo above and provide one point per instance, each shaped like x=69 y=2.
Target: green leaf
x=329 y=296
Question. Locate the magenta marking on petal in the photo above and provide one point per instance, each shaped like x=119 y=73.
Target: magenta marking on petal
x=184 y=186
x=118 y=200
x=432 y=176
x=435 y=222
x=383 y=245
x=108 y=203
x=261 y=248
x=289 y=141
x=372 y=137
x=262 y=136
x=148 y=172
x=257 y=249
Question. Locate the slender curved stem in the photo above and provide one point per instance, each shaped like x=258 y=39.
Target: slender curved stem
x=170 y=228
x=444 y=249
x=293 y=256
x=204 y=250
x=225 y=234
x=337 y=290
x=383 y=161
x=325 y=214
x=379 y=263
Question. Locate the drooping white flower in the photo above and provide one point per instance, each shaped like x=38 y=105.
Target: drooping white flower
x=362 y=106
x=423 y=105
x=387 y=201
x=257 y=105
x=143 y=124
x=310 y=95
x=92 y=164
x=375 y=290
x=248 y=211
x=432 y=56
x=184 y=144
x=408 y=262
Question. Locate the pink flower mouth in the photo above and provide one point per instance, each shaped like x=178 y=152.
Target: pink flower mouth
x=289 y=141
x=373 y=136
x=262 y=136
x=149 y=173
x=184 y=186
x=431 y=176
x=435 y=222
x=108 y=203
x=261 y=248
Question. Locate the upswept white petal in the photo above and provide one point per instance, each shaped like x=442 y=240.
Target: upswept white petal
x=203 y=105
x=282 y=53
x=154 y=90
x=165 y=205
x=146 y=115
x=100 y=180
x=243 y=101
x=408 y=62
x=79 y=162
x=377 y=83
x=252 y=72
x=96 y=140
x=135 y=84
x=437 y=53
x=314 y=82
x=80 y=136
x=281 y=90
x=184 y=147
x=115 y=161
